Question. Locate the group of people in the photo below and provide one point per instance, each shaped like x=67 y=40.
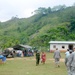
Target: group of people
x=56 y=56
x=24 y=53
x=41 y=57
x=69 y=60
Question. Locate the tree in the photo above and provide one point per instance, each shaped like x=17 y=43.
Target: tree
x=59 y=7
x=48 y=10
x=73 y=5
x=19 y=29
x=40 y=10
x=72 y=25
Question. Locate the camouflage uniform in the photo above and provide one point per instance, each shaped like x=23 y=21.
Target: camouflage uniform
x=67 y=61
x=57 y=57
x=37 y=58
x=71 y=63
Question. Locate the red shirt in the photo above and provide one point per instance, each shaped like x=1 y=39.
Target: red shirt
x=43 y=57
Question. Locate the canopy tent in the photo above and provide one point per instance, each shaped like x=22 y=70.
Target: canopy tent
x=22 y=47
x=27 y=50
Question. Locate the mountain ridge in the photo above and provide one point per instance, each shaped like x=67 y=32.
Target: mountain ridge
x=39 y=29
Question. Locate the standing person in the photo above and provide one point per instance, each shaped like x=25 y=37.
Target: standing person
x=37 y=58
x=43 y=57
x=25 y=52
x=3 y=58
x=67 y=53
x=57 y=57
x=71 y=63
x=66 y=62
x=32 y=52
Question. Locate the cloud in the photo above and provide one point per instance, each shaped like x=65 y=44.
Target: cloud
x=23 y=8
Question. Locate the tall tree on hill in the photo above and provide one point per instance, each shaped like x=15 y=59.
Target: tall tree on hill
x=59 y=7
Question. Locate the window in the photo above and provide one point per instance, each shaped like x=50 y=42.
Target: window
x=54 y=46
x=63 y=47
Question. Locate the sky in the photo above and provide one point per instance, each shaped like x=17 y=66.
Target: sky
x=24 y=8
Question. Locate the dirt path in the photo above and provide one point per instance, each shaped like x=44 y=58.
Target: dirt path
x=61 y=60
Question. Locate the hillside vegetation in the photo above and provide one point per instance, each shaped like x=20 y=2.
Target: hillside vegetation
x=47 y=24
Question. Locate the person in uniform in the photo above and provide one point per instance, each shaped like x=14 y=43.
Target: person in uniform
x=37 y=58
x=57 y=57
x=66 y=62
x=71 y=63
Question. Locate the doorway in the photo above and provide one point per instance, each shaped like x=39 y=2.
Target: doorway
x=71 y=46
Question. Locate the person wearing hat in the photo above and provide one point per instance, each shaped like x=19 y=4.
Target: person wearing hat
x=66 y=62
x=37 y=58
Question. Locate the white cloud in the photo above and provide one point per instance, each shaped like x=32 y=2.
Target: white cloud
x=23 y=8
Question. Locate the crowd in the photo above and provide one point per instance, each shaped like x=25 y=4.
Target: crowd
x=69 y=59
x=20 y=53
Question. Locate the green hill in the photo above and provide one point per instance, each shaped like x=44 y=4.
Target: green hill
x=39 y=29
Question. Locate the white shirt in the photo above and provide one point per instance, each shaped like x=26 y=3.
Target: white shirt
x=67 y=53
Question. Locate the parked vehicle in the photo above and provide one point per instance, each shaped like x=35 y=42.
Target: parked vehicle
x=9 y=52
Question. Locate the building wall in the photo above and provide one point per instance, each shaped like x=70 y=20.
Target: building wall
x=73 y=46
x=61 y=47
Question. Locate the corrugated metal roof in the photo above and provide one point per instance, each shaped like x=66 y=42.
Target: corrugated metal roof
x=19 y=46
x=26 y=46
x=62 y=42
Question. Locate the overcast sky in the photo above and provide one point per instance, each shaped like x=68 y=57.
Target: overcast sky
x=23 y=8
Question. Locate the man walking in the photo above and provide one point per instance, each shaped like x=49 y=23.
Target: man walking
x=37 y=58
x=66 y=62
x=71 y=63
x=67 y=53
x=57 y=57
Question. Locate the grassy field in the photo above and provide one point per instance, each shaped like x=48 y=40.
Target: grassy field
x=26 y=66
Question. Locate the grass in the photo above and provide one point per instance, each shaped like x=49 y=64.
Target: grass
x=26 y=66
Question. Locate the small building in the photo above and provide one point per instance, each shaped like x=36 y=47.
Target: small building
x=61 y=45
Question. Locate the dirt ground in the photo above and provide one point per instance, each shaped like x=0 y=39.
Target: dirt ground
x=22 y=58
